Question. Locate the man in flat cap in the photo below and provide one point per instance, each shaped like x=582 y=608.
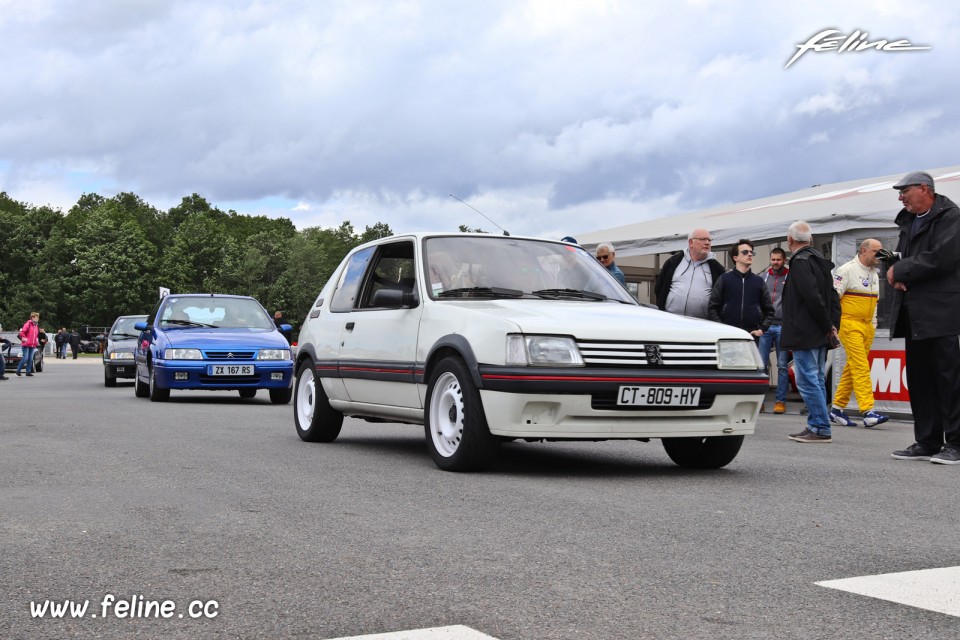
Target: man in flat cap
x=926 y=314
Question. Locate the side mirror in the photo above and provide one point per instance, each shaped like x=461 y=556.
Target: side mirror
x=394 y=299
x=286 y=328
x=140 y=326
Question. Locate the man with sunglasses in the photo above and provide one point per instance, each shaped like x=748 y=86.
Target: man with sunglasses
x=605 y=255
x=740 y=297
x=926 y=314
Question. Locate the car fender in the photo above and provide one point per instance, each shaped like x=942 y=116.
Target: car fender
x=458 y=343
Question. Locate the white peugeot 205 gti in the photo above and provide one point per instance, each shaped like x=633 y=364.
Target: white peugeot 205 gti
x=485 y=339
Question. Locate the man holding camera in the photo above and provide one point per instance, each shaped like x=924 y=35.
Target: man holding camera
x=926 y=314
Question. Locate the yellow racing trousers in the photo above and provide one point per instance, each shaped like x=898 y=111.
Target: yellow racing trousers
x=856 y=336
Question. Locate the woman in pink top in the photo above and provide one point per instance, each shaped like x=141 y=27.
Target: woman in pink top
x=29 y=340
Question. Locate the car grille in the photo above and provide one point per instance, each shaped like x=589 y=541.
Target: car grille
x=609 y=353
x=229 y=355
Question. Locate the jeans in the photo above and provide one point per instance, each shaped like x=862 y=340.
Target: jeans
x=27 y=358
x=809 y=366
x=769 y=340
x=62 y=351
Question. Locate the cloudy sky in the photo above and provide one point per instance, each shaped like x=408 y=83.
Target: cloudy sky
x=552 y=117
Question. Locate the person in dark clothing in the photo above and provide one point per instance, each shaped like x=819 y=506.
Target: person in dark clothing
x=740 y=297
x=75 y=343
x=926 y=314
x=3 y=363
x=811 y=318
x=59 y=341
x=42 y=340
x=278 y=321
x=775 y=277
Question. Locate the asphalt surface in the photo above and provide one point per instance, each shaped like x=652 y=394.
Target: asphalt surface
x=212 y=498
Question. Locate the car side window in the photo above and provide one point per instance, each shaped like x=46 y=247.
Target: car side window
x=350 y=280
x=393 y=268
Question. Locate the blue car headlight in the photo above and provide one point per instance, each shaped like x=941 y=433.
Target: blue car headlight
x=183 y=354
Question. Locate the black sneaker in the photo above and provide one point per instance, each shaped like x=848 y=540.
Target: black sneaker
x=797 y=435
x=913 y=452
x=947 y=455
x=29 y=375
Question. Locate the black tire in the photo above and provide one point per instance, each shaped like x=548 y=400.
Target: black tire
x=156 y=393
x=314 y=418
x=703 y=453
x=38 y=365
x=248 y=393
x=140 y=389
x=107 y=380
x=281 y=396
x=455 y=425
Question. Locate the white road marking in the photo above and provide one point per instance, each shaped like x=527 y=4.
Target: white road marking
x=454 y=632
x=931 y=589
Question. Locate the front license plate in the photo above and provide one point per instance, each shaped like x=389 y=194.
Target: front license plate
x=120 y=369
x=659 y=396
x=230 y=370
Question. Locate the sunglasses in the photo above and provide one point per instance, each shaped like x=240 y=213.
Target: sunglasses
x=747 y=252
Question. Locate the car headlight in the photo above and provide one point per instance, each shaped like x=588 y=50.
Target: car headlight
x=121 y=355
x=273 y=354
x=738 y=354
x=183 y=354
x=540 y=351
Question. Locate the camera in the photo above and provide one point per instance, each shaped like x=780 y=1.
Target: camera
x=888 y=258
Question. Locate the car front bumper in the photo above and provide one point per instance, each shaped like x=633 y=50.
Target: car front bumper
x=194 y=374
x=571 y=405
x=120 y=368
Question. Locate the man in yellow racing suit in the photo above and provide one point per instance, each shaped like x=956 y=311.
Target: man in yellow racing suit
x=858 y=285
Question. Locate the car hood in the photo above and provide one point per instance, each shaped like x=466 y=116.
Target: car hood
x=122 y=344
x=601 y=320
x=225 y=339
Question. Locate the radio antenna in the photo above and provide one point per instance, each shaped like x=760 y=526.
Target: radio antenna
x=505 y=232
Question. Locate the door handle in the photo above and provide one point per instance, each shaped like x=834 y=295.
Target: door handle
x=349 y=326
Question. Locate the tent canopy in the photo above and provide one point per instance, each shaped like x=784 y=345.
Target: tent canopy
x=866 y=203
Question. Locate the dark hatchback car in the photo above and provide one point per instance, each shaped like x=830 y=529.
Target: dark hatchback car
x=13 y=352
x=212 y=342
x=118 y=353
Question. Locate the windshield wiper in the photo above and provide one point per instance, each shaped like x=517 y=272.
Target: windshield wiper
x=569 y=293
x=188 y=323
x=126 y=335
x=480 y=292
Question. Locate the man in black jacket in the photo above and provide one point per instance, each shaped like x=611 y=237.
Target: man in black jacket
x=74 y=343
x=811 y=316
x=740 y=297
x=686 y=279
x=926 y=314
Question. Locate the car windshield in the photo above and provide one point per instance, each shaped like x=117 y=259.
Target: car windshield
x=123 y=328
x=497 y=266
x=213 y=312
